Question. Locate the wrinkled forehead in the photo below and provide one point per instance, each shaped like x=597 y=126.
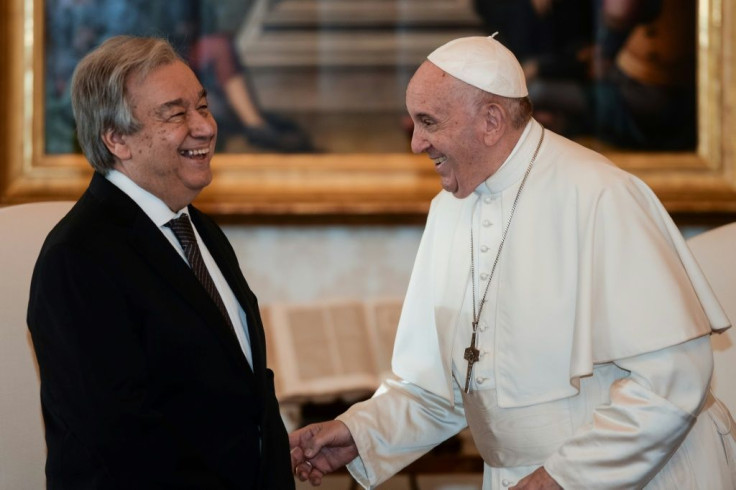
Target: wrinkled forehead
x=176 y=77
x=430 y=83
x=163 y=89
x=428 y=78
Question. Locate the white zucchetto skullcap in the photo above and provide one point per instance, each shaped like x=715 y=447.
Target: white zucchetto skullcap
x=482 y=62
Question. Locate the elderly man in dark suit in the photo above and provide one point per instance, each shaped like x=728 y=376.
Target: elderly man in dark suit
x=149 y=341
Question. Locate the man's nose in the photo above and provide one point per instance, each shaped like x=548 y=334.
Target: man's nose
x=202 y=124
x=419 y=143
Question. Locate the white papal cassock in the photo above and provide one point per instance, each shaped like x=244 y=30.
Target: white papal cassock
x=595 y=358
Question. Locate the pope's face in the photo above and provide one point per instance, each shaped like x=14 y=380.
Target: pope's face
x=170 y=155
x=448 y=128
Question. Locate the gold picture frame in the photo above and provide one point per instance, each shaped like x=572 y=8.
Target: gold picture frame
x=386 y=185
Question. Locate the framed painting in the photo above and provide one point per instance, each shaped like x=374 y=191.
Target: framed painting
x=341 y=166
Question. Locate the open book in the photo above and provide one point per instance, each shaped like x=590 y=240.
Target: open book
x=328 y=350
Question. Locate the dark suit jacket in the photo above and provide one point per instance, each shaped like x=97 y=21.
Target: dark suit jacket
x=142 y=383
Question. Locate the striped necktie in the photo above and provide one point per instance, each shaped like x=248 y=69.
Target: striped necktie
x=184 y=232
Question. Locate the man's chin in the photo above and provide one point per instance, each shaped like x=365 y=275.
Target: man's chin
x=194 y=188
x=450 y=186
x=201 y=181
x=460 y=193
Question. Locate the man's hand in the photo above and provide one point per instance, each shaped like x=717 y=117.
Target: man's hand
x=538 y=480
x=319 y=449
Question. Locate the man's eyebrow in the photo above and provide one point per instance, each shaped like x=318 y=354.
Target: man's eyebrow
x=166 y=106
x=178 y=102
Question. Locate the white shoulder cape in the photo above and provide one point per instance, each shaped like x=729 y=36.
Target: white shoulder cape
x=593 y=270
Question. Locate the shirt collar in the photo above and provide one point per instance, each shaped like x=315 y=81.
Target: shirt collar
x=516 y=164
x=154 y=207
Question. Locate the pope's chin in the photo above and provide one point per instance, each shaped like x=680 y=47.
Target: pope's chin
x=461 y=194
x=453 y=187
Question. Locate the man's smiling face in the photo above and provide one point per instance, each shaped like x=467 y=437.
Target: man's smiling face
x=448 y=127
x=170 y=155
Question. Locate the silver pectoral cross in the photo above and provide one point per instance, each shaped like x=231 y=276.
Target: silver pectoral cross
x=472 y=355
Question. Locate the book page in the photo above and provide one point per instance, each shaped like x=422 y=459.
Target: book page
x=320 y=351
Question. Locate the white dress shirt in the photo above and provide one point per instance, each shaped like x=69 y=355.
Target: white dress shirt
x=160 y=214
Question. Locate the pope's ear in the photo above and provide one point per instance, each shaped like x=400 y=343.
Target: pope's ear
x=116 y=143
x=495 y=119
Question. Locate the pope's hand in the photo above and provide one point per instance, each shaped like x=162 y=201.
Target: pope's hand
x=318 y=449
x=538 y=480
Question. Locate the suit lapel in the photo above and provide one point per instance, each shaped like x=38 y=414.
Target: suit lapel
x=228 y=264
x=147 y=240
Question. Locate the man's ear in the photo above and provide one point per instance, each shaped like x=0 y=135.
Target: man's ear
x=494 y=123
x=116 y=143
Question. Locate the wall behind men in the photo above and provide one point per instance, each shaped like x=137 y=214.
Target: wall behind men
x=303 y=264
x=314 y=263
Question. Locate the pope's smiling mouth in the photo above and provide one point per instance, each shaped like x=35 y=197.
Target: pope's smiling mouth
x=439 y=161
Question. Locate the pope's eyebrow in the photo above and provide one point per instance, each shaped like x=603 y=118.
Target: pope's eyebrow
x=177 y=103
x=422 y=116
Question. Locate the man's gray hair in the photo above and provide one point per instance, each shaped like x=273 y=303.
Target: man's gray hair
x=99 y=98
x=520 y=110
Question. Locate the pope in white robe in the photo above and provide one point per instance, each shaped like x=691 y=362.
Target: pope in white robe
x=594 y=359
